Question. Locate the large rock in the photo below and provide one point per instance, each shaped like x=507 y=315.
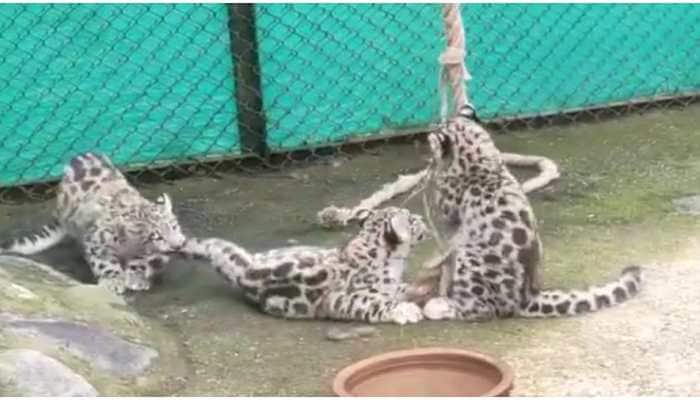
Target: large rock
x=78 y=330
x=99 y=348
x=26 y=372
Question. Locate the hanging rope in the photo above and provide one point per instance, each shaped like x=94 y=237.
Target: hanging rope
x=453 y=71
x=453 y=76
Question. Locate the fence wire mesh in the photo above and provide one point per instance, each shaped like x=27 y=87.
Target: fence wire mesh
x=143 y=84
x=181 y=88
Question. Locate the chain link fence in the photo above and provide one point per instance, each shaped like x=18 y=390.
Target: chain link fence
x=181 y=88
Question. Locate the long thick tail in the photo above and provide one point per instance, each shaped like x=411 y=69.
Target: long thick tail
x=556 y=303
x=49 y=236
x=230 y=260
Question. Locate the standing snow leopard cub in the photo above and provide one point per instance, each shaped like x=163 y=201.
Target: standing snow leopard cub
x=360 y=281
x=494 y=246
x=125 y=238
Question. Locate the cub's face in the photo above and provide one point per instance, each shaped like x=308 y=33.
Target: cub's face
x=165 y=235
x=393 y=225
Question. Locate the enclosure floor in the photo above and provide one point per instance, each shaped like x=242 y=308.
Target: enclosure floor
x=612 y=207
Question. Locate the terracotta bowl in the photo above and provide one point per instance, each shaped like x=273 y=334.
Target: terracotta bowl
x=425 y=372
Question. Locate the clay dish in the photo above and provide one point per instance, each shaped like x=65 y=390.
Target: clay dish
x=425 y=372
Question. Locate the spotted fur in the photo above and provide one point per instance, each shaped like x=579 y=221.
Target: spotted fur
x=360 y=281
x=495 y=246
x=125 y=237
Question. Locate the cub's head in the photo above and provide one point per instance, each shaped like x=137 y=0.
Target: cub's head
x=392 y=226
x=463 y=143
x=165 y=233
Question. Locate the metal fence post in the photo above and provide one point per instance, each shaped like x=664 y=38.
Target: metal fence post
x=246 y=72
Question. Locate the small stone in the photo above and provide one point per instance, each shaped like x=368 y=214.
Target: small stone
x=689 y=205
x=339 y=333
x=364 y=331
x=26 y=372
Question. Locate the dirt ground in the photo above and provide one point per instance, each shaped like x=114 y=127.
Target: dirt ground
x=612 y=207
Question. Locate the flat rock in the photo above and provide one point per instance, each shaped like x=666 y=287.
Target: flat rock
x=99 y=348
x=25 y=372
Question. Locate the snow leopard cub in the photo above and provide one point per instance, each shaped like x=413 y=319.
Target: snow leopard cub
x=125 y=238
x=495 y=248
x=360 y=281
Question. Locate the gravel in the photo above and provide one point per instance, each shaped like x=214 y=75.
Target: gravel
x=647 y=346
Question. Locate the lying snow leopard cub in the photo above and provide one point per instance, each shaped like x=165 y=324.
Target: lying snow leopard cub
x=125 y=238
x=495 y=251
x=360 y=281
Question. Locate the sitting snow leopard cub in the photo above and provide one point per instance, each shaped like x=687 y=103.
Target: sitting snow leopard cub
x=125 y=238
x=495 y=248
x=360 y=281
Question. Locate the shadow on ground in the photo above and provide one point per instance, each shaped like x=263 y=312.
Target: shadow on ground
x=612 y=207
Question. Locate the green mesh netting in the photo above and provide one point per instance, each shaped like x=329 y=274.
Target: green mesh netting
x=529 y=59
x=334 y=72
x=154 y=83
x=139 y=82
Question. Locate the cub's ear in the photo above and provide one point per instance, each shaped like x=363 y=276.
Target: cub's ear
x=440 y=145
x=361 y=215
x=398 y=229
x=468 y=111
x=164 y=200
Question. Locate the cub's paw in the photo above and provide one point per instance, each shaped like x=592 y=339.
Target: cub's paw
x=439 y=308
x=136 y=280
x=417 y=291
x=114 y=284
x=406 y=312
